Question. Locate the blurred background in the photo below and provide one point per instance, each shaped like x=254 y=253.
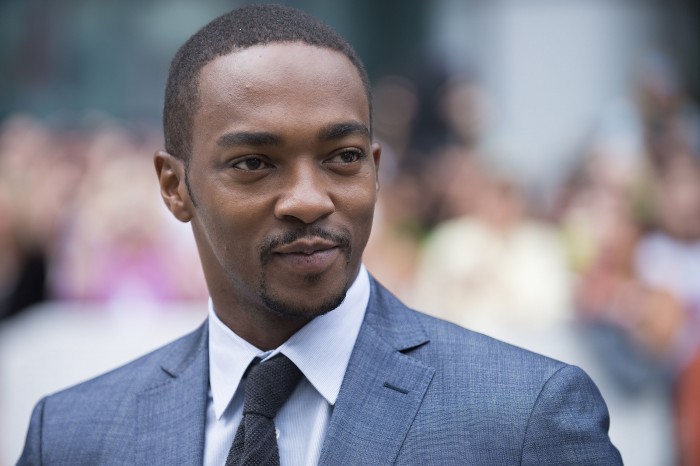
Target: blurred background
x=539 y=183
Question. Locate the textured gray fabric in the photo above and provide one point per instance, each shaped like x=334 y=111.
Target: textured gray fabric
x=268 y=385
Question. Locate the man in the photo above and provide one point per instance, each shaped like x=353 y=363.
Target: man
x=269 y=157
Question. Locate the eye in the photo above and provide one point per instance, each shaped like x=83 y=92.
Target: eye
x=347 y=156
x=251 y=164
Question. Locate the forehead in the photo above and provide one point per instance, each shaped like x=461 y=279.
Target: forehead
x=299 y=78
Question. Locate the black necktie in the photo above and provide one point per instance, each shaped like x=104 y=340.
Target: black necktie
x=268 y=386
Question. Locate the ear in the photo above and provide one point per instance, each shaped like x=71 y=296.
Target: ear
x=376 y=155
x=173 y=190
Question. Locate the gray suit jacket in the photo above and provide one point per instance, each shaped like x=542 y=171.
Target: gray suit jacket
x=417 y=391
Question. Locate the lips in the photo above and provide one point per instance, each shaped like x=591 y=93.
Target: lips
x=307 y=246
x=307 y=256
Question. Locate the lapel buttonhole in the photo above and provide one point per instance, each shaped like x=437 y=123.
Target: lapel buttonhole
x=395 y=388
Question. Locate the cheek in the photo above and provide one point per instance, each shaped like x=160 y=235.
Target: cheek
x=358 y=206
x=233 y=223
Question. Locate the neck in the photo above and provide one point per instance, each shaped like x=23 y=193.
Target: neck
x=265 y=330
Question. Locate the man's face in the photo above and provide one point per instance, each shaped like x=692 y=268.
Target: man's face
x=283 y=179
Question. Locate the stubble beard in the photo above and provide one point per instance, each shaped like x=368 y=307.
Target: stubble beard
x=285 y=308
x=297 y=310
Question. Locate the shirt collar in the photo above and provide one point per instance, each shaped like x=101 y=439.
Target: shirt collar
x=321 y=349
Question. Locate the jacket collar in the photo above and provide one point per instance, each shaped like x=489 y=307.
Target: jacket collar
x=379 y=397
x=382 y=389
x=175 y=405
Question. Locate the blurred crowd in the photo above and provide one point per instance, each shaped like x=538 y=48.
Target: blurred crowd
x=615 y=248
x=81 y=219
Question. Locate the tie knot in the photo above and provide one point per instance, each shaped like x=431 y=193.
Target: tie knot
x=269 y=384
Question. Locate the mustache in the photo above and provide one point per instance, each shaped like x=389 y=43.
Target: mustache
x=341 y=238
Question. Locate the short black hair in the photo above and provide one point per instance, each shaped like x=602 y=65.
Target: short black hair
x=241 y=28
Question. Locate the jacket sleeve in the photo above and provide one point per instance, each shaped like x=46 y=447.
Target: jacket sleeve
x=31 y=455
x=569 y=423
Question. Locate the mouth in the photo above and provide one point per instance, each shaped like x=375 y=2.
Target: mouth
x=306 y=246
x=306 y=252
x=307 y=255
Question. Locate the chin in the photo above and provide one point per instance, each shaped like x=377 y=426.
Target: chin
x=301 y=306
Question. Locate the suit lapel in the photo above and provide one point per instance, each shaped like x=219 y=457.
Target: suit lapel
x=172 y=411
x=382 y=388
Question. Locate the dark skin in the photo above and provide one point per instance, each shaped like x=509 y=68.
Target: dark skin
x=283 y=183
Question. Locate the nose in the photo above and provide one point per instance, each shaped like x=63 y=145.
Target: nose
x=305 y=196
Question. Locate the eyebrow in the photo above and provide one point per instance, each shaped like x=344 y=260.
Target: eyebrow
x=263 y=138
x=341 y=130
x=249 y=138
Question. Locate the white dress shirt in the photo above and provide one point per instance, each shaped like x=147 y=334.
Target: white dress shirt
x=321 y=350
